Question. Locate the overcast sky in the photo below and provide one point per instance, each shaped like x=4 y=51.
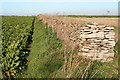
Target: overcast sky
x=74 y=7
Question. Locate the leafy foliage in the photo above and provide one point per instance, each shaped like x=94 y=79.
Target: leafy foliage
x=15 y=34
x=46 y=55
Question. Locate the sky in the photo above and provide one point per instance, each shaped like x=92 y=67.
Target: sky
x=59 y=0
x=73 y=7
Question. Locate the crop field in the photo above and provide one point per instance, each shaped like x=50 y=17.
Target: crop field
x=16 y=32
x=32 y=49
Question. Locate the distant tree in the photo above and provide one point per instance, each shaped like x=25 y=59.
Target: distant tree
x=108 y=12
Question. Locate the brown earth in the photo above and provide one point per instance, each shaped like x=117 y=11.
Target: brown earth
x=105 y=21
x=64 y=26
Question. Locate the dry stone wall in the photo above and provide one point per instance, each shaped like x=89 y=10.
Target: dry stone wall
x=92 y=40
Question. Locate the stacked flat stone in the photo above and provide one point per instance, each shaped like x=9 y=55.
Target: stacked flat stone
x=97 y=42
x=94 y=41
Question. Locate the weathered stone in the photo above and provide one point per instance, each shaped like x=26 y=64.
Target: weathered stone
x=104 y=48
x=84 y=54
x=109 y=46
x=104 y=51
x=94 y=31
x=111 y=39
x=98 y=40
x=105 y=41
x=100 y=55
x=111 y=54
x=109 y=36
x=95 y=41
x=106 y=30
x=108 y=55
x=101 y=26
x=86 y=47
x=111 y=33
x=111 y=28
x=85 y=50
x=93 y=44
x=95 y=35
x=112 y=43
x=100 y=34
x=91 y=26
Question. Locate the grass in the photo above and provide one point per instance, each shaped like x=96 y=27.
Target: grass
x=46 y=53
x=111 y=69
x=46 y=59
x=90 y=16
x=102 y=70
x=97 y=69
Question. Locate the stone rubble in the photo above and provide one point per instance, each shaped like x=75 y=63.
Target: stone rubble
x=94 y=41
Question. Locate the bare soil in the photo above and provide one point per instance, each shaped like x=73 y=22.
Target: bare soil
x=105 y=21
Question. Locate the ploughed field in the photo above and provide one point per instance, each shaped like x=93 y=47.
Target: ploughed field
x=106 y=21
x=111 y=21
x=31 y=49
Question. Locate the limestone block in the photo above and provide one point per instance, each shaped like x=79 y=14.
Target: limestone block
x=89 y=32
x=105 y=40
x=94 y=31
x=86 y=30
x=99 y=59
x=84 y=54
x=100 y=55
x=98 y=40
x=94 y=51
x=85 y=50
x=95 y=35
x=108 y=55
x=93 y=44
x=101 y=26
x=109 y=46
x=111 y=33
x=104 y=48
x=106 y=30
x=112 y=43
x=110 y=28
x=104 y=51
x=111 y=39
x=100 y=34
x=94 y=40
x=90 y=55
x=86 y=47
x=109 y=36
x=91 y=26
x=111 y=54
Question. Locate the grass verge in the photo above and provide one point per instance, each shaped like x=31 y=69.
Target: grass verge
x=46 y=53
x=46 y=59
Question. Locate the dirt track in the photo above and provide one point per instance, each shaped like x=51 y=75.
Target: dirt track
x=106 y=21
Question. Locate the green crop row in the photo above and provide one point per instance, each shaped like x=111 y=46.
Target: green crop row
x=17 y=20
x=15 y=34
